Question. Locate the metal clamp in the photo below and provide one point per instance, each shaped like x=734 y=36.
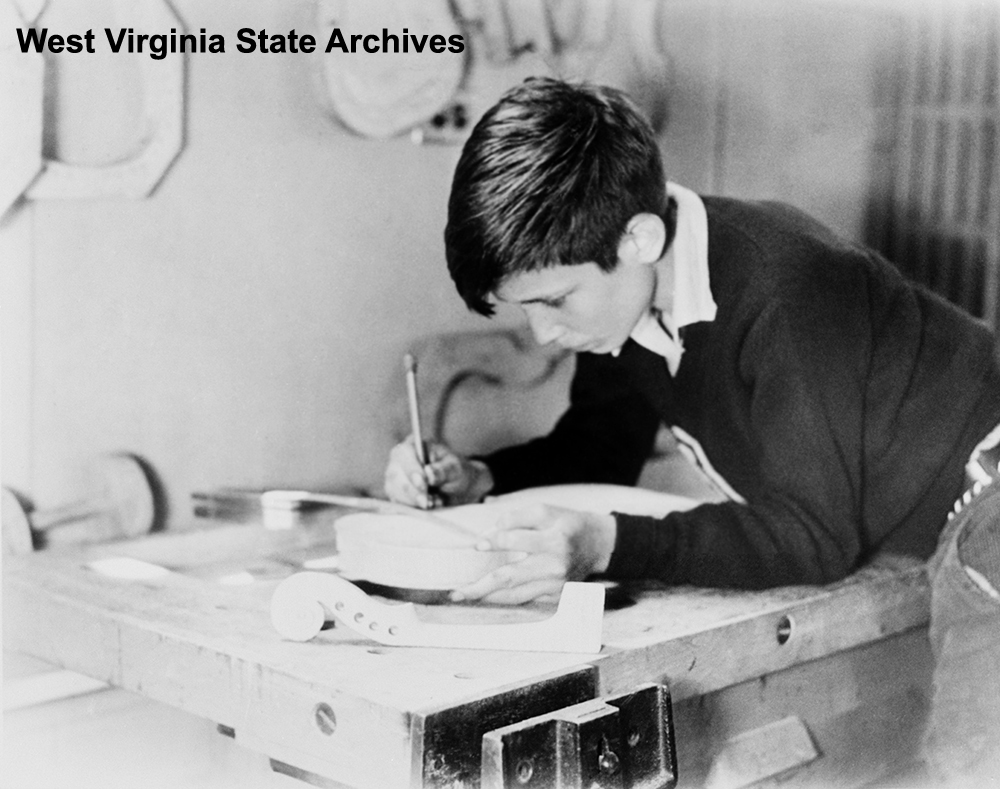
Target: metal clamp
x=620 y=742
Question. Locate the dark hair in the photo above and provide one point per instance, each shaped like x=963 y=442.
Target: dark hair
x=550 y=175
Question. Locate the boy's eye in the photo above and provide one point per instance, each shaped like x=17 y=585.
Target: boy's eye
x=556 y=302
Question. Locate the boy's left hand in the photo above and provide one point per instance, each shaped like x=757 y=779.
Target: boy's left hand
x=561 y=545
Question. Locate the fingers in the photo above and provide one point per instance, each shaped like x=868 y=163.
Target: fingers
x=446 y=472
x=449 y=473
x=557 y=545
x=408 y=482
x=543 y=590
x=437 y=452
x=526 y=540
x=538 y=527
x=514 y=583
x=534 y=516
x=404 y=478
x=533 y=531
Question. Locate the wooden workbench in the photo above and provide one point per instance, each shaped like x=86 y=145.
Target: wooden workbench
x=846 y=667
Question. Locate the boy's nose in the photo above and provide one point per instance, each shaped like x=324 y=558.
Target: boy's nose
x=544 y=329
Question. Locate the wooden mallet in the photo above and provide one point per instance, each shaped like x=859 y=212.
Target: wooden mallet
x=119 y=503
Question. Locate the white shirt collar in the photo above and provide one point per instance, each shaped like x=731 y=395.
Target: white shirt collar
x=690 y=300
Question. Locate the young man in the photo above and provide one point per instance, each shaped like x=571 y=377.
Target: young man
x=838 y=403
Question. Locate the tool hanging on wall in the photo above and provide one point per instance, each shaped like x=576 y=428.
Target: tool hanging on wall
x=406 y=83
x=303 y=604
x=119 y=503
x=507 y=29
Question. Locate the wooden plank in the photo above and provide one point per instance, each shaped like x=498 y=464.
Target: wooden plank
x=698 y=641
x=327 y=705
x=209 y=649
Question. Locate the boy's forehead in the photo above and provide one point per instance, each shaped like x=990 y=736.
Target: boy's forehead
x=541 y=283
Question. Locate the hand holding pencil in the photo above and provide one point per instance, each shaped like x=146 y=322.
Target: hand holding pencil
x=430 y=498
x=426 y=474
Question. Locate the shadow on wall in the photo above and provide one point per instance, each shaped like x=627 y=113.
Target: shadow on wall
x=481 y=391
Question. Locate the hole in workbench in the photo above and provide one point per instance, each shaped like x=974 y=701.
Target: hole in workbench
x=784 y=631
x=326 y=720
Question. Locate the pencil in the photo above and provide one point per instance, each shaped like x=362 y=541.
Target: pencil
x=411 y=391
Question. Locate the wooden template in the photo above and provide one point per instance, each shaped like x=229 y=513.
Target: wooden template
x=305 y=602
x=134 y=176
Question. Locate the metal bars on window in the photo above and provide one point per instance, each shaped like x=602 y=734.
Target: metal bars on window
x=942 y=226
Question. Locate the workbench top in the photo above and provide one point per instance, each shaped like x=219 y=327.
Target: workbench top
x=194 y=637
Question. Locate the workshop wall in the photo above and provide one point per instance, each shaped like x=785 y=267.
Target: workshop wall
x=245 y=323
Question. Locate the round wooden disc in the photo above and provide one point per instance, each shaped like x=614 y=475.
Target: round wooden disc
x=413 y=553
x=120 y=482
x=15 y=526
x=410 y=552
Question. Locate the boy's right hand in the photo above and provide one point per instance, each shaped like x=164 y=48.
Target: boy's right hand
x=456 y=479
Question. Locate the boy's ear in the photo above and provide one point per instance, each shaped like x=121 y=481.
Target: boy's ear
x=644 y=240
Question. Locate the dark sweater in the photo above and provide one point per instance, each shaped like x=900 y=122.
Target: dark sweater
x=840 y=400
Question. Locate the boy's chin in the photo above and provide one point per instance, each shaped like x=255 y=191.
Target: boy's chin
x=604 y=348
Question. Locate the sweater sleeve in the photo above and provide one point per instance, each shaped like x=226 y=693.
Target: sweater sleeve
x=606 y=435
x=802 y=369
